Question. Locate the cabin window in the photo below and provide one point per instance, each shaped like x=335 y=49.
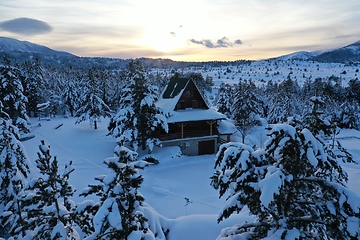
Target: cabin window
x=188 y=94
x=195 y=104
x=181 y=105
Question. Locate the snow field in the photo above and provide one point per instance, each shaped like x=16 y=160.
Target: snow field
x=178 y=188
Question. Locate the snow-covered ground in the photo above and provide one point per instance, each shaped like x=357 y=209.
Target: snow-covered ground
x=178 y=188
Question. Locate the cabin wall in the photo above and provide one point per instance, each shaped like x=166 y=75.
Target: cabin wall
x=190 y=146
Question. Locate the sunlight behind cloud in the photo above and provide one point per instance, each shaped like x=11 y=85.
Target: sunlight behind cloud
x=161 y=41
x=161 y=28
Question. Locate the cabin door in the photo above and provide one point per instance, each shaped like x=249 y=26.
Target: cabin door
x=206 y=147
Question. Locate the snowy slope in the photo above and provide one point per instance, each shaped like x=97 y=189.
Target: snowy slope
x=344 y=54
x=178 y=188
x=8 y=45
x=301 y=55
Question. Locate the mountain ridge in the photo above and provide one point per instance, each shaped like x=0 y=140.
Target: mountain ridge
x=14 y=45
x=20 y=49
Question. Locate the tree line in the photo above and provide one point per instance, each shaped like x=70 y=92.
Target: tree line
x=248 y=101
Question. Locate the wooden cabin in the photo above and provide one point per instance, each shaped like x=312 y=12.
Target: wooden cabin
x=193 y=125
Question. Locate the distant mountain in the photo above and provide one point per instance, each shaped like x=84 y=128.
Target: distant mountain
x=10 y=45
x=301 y=55
x=350 y=53
x=22 y=51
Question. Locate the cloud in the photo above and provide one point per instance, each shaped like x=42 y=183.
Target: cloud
x=220 y=43
x=238 y=41
x=25 y=26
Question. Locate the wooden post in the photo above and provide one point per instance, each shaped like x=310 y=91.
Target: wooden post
x=181 y=125
x=182 y=130
x=211 y=126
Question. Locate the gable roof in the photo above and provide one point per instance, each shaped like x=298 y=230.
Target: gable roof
x=171 y=96
x=172 y=93
x=175 y=86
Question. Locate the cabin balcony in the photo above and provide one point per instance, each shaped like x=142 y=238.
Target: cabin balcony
x=186 y=134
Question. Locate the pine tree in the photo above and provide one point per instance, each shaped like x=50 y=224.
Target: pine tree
x=353 y=90
x=14 y=174
x=33 y=83
x=138 y=117
x=224 y=100
x=47 y=203
x=104 y=77
x=315 y=121
x=245 y=108
x=120 y=213
x=11 y=93
x=70 y=96
x=93 y=107
x=349 y=115
x=293 y=188
x=280 y=109
x=118 y=82
x=283 y=102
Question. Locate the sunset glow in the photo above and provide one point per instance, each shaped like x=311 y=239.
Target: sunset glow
x=183 y=30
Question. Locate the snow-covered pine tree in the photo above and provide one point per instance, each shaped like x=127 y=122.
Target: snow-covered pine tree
x=349 y=116
x=283 y=101
x=245 y=107
x=92 y=107
x=279 y=109
x=70 y=96
x=293 y=188
x=104 y=86
x=120 y=213
x=13 y=99
x=325 y=131
x=138 y=117
x=118 y=81
x=47 y=202
x=353 y=90
x=224 y=100
x=33 y=83
x=314 y=121
x=14 y=174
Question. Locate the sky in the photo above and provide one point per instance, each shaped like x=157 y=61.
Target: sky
x=186 y=30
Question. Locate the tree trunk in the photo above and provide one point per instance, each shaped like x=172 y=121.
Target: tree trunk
x=95 y=124
x=143 y=143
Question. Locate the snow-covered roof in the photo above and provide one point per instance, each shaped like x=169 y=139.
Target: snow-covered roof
x=171 y=96
x=167 y=105
x=226 y=127
x=196 y=114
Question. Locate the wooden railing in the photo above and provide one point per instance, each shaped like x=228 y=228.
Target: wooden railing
x=191 y=134
x=222 y=141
